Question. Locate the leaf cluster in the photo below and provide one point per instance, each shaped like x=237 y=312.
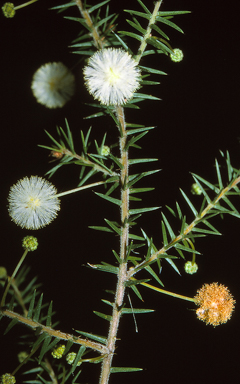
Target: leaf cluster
x=97 y=17
x=216 y=205
x=159 y=40
x=64 y=152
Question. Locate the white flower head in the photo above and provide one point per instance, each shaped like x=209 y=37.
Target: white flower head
x=53 y=85
x=32 y=202
x=112 y=76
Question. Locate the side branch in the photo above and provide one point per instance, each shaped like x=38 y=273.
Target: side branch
x=87 y=162
x=55 y=333
x=187 y=230
x=148 y=30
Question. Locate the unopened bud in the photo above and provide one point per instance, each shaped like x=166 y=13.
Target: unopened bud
x=177 y=55
x=190 y=267
x=30 y=243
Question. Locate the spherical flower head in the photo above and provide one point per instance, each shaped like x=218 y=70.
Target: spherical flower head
x=53 y=85
x=195 y=189
x=177 y=55
x=30 y=243
x=71 y=357
x=58 y=352
x=190 y=267
x=32 y=202
x=112 y=76
x=8 y=10
x=7 y=378
x=216 y=304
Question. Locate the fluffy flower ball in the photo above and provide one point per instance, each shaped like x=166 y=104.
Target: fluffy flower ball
x=32 y=202
x=53 y=85
x=112 y=76
x=216 y=304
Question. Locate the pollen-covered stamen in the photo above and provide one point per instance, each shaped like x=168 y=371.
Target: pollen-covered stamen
x=112 y=76
x=33 y=202
x=216 y=304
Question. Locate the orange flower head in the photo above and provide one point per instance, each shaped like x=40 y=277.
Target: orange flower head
x=215 y=302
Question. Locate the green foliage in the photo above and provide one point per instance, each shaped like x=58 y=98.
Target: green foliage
x=138 y=252
x=63 y=150
x=200 y=225
x=159 y=42
x=124 y=369
x=104 y=25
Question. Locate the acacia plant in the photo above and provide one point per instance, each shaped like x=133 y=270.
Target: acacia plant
x=116 y=79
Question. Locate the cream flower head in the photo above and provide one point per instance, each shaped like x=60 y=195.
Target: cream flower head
x=112 y=76
x=53 y=85
x=32 y=202
x=216 y=304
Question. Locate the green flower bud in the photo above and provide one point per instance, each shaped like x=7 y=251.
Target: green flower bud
x=7 y=378
x=71 y=357
x=58 y=352
x=30 y=243
x=22 y=356
x=8 y=10
x=190 y=267
x=3 y=273
x=105 y=150
x=195 y=189
x=177 y=55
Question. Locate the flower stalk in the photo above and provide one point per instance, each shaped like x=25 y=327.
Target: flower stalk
x=12 y=277
x=80 y=188
x=25 y=4
x=168 y=292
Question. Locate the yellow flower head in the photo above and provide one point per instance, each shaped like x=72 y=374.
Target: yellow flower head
x=216 y=304
x=58 y=352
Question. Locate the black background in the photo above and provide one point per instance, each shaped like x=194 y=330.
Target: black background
x=197 y=117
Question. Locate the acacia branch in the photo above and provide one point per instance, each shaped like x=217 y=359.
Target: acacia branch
x=94 y=32
x=55 y=333
x=187 y=230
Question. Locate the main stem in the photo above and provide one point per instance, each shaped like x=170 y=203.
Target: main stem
x=122 y=274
